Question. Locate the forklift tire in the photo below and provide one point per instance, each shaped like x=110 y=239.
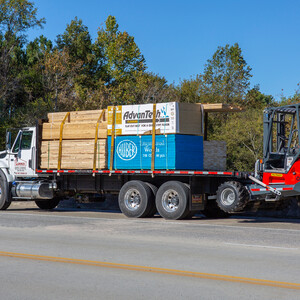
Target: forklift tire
x=232 y=196
x=136 y=199
x=47 y=204
x=5 y=199
x=213 y=211
x=172 y=200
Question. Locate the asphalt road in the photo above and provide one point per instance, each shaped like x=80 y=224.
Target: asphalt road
x=85 y=254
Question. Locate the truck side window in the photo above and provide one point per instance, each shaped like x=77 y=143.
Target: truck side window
x=26 y=140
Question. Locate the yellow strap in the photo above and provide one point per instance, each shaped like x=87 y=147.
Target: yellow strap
x=112 y=143
x=153 y=137
x=60 y=139
x=96 y=139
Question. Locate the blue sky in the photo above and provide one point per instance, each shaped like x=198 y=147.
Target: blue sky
x=177 y=37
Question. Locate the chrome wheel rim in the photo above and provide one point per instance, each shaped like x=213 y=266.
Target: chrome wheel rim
x=132 y=199
x=227 y=197
x=170 y=200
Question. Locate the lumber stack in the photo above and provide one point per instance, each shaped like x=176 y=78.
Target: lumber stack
x=78 y=140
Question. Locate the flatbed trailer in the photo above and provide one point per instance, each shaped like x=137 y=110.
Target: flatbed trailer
x=174 y=194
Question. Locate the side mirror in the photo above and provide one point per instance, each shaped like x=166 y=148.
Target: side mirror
x=8 y=140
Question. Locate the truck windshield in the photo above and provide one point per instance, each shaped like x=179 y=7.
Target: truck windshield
x=23 y=141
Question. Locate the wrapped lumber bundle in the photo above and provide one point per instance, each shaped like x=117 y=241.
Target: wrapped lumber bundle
x=171 y=118
x=81 y=148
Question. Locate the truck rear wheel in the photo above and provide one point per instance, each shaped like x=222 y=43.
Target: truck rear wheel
x=47 y=204
x=172 y=200
x=153 y=210
x=232 y=196
x=136 y=199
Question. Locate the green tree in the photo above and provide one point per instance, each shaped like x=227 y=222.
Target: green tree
x=226 y=76
x=35 y=66
x=16 y=16
x=123 y=60
x=191 y=90
x=243 y=133
x=76 y=40
x=255 y=99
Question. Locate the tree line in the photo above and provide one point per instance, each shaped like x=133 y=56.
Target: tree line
x=75 y=72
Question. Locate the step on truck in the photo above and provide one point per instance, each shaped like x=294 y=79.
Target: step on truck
x=174 y=194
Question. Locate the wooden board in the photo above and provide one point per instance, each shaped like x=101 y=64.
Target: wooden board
x=220 y=107
x=51 y=131
x=76 y=154
x=77 y=116
x=214 y=155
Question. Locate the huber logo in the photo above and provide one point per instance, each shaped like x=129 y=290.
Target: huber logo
x=127 y=150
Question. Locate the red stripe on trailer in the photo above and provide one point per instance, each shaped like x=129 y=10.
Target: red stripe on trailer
x=255 y=190
x=140 y=172
x=228 y=173
x=287 y=189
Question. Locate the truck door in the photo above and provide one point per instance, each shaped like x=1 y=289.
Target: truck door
x=22 y=157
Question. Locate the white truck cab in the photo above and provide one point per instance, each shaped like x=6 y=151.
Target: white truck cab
x=18 y=177
x=21 y=157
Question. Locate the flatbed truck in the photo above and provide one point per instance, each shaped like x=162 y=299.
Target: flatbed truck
x=174 y=194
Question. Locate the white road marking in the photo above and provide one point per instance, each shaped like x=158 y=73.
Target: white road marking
x=261 y=246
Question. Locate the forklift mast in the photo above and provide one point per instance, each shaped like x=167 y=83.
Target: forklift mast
x=281 y=138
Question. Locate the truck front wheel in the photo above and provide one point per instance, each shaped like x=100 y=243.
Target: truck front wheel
x=172 y=200
x=136 y=199
x=232 y=196
x=47 y=204
x=5 y=199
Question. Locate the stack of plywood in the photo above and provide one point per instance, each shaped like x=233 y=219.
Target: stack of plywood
x=214 y=155
x=78 y=140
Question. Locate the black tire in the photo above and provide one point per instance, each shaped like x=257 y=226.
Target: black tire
x=213 y=211
x=47 y=204
x=135 y=199
x=232 y=196
x=190 y=213
x=6 y=205
x=172 y=200
x=5 y=197
x=153 y=209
